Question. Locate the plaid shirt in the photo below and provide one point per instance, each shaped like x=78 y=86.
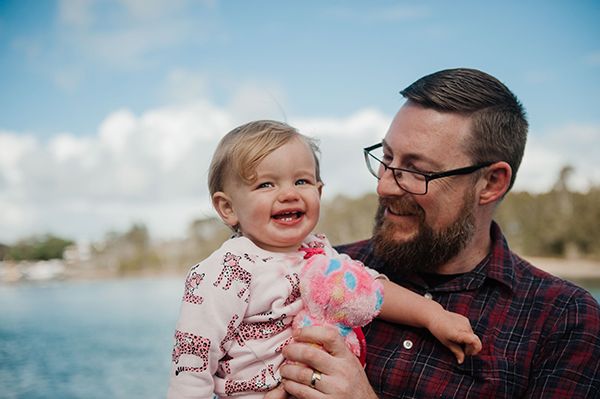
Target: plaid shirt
x=540 y=335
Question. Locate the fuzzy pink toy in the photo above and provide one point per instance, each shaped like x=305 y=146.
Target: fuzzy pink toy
x=338 y=292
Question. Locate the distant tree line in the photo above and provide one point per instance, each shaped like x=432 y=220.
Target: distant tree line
x=43 y=247
x=557 y=223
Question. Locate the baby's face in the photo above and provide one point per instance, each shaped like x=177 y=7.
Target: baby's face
x=281 y=207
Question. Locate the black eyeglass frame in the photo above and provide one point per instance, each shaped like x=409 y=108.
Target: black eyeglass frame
x=427 y=176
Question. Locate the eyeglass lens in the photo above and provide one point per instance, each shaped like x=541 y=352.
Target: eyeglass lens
x=414 y=183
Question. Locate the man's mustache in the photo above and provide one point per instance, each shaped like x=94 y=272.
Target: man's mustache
x=401 y=206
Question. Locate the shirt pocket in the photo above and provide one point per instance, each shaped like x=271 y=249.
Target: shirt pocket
x=480 y=377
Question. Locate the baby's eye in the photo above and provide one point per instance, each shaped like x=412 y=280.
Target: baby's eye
x=302 y=182
x=265 y=185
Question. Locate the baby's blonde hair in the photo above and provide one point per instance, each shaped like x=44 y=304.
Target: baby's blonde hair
x=241 y=150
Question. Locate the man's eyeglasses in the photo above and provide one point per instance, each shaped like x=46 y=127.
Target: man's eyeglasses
x=411 y=181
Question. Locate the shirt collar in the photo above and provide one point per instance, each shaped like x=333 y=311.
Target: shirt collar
x=499 y=265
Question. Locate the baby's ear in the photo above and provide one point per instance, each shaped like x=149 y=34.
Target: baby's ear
x=224 y=207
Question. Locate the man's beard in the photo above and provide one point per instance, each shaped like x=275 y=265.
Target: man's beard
x=429 y=249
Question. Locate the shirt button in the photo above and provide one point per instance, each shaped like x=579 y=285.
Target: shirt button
x=407 y=344
x=428 y=295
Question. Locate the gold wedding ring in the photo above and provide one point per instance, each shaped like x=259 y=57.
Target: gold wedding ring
x=316 y=376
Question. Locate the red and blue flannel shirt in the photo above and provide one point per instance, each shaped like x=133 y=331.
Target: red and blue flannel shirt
x=540 y=335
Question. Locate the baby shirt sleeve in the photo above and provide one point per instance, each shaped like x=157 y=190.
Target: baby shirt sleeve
x=214 y=302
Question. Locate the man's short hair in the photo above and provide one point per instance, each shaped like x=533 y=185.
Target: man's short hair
x=499 y=123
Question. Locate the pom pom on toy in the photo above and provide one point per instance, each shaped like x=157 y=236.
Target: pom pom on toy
x=338 y=292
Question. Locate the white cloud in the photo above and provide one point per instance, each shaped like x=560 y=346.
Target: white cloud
x=548 y=152
x=341 y=142
x=152 y=168
x=12 y=149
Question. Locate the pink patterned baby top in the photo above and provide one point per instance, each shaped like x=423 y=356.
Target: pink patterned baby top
x=236 y=315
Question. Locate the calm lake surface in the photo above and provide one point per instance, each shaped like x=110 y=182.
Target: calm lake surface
x=100 y=339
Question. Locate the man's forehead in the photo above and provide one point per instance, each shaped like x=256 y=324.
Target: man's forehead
x=433 y=149
x=408 y=154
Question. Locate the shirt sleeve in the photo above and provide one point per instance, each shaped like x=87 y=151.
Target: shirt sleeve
x=215 y=300
x=566 y=365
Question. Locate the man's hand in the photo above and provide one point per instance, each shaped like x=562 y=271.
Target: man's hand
x=341 y=374
x=455 y=332
x=277 y=393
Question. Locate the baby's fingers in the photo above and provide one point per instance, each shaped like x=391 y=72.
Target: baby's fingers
x=472 y=344
x=458 y=352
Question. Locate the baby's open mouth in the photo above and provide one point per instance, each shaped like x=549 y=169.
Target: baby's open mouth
x=288 y=216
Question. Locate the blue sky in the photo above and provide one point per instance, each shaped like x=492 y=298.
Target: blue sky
x=111 y=109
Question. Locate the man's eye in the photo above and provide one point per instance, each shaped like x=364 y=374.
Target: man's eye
x=413 y=168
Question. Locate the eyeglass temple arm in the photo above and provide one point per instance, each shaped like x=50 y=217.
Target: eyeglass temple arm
x=372 y=147
x=460 y=171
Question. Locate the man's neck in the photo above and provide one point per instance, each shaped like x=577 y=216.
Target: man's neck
x=474 y=252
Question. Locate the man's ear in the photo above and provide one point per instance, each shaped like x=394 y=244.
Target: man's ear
x=497 y=179
x=224 y=208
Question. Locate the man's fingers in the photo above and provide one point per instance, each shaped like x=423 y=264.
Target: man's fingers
x=327 y=337
x=297 y=381
x=307 y=355
x=301 y=391
x=277 y=393
x=301 y=374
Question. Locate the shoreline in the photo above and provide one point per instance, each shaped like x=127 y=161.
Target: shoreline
x=575 y=270
x=579 y=271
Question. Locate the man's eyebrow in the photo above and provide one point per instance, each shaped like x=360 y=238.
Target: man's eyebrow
x=413 y=157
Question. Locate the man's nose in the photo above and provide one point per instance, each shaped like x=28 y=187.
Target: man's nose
x=387 y=186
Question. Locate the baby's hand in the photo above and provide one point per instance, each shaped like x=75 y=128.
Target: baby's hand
x=455 y=332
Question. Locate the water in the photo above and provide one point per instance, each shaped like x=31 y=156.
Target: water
x=102 y=339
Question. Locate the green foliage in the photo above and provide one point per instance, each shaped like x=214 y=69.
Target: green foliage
x=37 y=248
x=346 y=219
x=4 y=251
x=204 y=237
x=129 y=252
x=557 y=223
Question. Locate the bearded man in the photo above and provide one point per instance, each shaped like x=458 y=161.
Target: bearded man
x=449 y=157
